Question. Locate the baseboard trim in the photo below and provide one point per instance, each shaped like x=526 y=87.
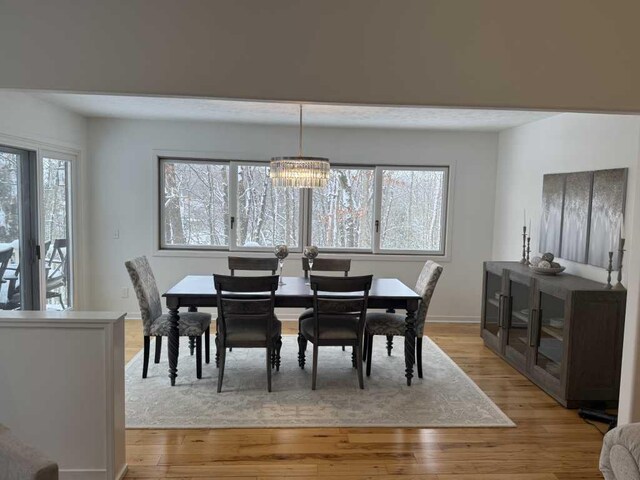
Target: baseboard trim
x=123 y=472
x=82 y=474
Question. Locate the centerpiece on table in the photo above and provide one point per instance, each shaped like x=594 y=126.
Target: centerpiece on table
x=281 y=252
x=545 y=265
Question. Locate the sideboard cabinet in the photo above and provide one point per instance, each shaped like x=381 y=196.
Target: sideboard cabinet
x=562 y=332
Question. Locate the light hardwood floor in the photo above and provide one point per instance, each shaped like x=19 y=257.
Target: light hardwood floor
x=549 y=443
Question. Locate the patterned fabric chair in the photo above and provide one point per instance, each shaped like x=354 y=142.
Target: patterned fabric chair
x=192 y=324
x=338 y=319
x=391 y=324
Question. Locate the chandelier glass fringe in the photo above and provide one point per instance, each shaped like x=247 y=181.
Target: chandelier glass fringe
x=300 y=171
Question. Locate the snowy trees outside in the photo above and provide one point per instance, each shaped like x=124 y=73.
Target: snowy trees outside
x=198 y=210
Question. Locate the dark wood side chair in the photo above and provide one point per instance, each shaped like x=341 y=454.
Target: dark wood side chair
x=193 y=324
x=323 y=265
x=249 y=264
x=248 y=321
x=253 y=264
x=339 y=314
x=391 y=324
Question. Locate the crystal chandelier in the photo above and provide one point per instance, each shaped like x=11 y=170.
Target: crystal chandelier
x=300 y=171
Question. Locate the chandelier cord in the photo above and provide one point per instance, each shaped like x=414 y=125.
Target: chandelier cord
x=300 y=133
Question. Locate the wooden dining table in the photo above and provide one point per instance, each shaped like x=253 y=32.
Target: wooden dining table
x=195 y=291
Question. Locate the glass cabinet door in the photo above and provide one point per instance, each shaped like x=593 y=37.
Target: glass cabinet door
x=492 y=303
x=518 y=319
x=549 y=344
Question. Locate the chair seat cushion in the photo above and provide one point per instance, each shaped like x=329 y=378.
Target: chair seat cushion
x=251 y=330
x=191 y=324
x=331 y=328
x=383 y=323
x=308 y=313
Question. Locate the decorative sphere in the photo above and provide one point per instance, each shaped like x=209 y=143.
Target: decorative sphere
x=555 y=265
x=548 y=257
x=535 y=261
x=281 y=252
x=544 y=264
x=311 y=252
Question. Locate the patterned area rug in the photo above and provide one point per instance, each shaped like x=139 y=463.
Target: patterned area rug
x=445 y=397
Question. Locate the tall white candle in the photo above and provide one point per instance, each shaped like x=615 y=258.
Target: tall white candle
x=524 y=217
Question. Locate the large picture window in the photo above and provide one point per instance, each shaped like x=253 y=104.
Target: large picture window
x=210 y=204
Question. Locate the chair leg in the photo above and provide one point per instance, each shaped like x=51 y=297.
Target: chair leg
x=343 y=349
x=273 y=355
x=199 y=357
x=221 y=371
x=278 y=348
x=268 y=367
x=158 y=349
x=145 y=361
x=365 y=346
x=314 y=374
x=302 y=349
x=389 y=344
x=230 y=349
x=192 y=345
x=358 y=352
x=353 y=358
x=369 y=354
x=419 y=356
x=207 y=345
x=217 y=342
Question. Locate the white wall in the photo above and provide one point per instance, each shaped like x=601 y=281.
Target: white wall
x=567 y=55
x=121 y=185
x=566 y=143
x=34 y=124
x=563 y=143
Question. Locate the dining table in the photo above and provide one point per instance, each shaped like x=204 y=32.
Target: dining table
x=195 y=291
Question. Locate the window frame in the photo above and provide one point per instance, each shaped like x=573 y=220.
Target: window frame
x=305 y=211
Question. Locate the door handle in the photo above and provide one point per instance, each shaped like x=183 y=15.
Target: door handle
x=533 y=320
x=377 y=226
x=501 y=311
x=233 y=220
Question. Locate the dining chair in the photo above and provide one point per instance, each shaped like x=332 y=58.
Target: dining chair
x=253 y=264
x=391 y=324
x=339 y=312
x=192 y=324
x=5 y=258
x=323 y=265
x=246 y=318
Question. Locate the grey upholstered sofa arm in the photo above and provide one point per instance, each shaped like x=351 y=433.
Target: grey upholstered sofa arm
x=621 y=453
x=21 y=462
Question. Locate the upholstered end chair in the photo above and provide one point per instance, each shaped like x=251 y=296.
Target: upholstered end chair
x=391 y=324
x=192 y=324
x=22 y=462
x=620 y=455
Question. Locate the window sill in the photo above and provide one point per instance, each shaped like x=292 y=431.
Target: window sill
x=357 y=257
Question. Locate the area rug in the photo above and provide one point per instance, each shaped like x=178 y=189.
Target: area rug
x=445 y=397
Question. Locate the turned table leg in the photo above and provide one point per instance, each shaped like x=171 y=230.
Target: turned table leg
x=174 y=340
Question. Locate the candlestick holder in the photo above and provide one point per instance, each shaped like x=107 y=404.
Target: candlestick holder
x=528 y=250
x=619 y=286
x=523 y=261
x=608 y=286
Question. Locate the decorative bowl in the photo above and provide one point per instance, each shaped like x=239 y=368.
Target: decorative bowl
x=547 y=271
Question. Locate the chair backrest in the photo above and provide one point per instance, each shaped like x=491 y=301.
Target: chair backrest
x=245 y=298
x=340 y=296
x=57 y=261
x=327 y=265
x=267 y=264
x=5 y=258
x=144 y=283
x=425 y=286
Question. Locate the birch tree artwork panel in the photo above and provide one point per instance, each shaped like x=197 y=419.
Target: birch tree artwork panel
x=607 y=211
x=552 y=206
x=576 y=216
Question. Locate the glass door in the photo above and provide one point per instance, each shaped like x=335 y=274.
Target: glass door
x=492 y=309
x=519 y=302
x=56 y=231
x=19 y=279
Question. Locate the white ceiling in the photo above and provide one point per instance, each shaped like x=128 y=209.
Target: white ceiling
x=273 y=113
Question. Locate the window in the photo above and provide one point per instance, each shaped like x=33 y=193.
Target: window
x=207 y=204
x=342 y=212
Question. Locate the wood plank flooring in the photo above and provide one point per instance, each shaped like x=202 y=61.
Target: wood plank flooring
x=549 y=443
